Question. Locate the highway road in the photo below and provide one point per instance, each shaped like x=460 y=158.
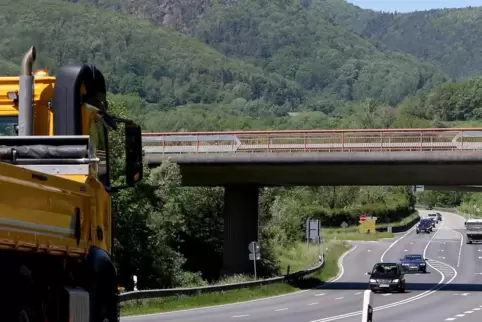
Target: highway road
x=450 y=291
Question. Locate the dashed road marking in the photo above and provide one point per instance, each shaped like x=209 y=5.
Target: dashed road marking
x=239 y=316
x=476 y=309
x=283 y=309
x=469 y=312
x=387 y=294
x=450 y=319
x=313 y=303
x=339 y=298
x=320 y=294
x=357 y=293
x=460 y=315
x=404 y=250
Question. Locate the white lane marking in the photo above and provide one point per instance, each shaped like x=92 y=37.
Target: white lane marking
x=460 y=247
x=469 y=312
x=429 y=292
x=479 y=250
x=283 y=309
x=450 y=319
x=476 y=309
x=460 y=315
x=369 y=250
x=339 y=298
x=387 y=294
x=340 y=267
x=411 y=243
x=404 y=250
x=320 y=294
x=441 y=250
x=358 y=293
x=441 y=257
x=239 y=316
x=480 y=257
x=313 y=303
x=396 y=241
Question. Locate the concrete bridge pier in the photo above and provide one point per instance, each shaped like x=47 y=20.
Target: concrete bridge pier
x=240 y=227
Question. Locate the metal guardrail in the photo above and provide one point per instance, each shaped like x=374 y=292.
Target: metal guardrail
x=150 y=294
x=314 y=141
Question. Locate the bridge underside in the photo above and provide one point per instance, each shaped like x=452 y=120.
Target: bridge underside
x=455 y=188
x=329 y=169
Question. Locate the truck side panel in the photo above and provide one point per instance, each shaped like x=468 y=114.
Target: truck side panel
x=40 y=212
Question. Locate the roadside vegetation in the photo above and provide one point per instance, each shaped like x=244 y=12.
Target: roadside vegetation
x=308 y=256
x=353 y=232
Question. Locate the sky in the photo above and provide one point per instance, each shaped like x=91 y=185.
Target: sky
x=413 y=5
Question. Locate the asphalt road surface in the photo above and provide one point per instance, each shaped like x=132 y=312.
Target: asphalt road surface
x=451 y=290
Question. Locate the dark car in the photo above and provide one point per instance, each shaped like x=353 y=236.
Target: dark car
x=387 y=277
x=439 y=216
x=414 y=263
x=434 y=217
x=425 y=225
x=429 y=208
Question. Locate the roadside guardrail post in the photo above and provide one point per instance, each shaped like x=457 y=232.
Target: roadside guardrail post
x=367 y=312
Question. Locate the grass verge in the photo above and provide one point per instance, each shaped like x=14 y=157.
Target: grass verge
x=333 y=251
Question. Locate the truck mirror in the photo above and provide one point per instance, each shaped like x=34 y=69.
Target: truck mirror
x=133 y=143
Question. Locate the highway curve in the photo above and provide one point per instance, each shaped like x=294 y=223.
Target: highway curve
x=451 y=260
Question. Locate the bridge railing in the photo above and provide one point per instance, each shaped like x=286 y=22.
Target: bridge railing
x=365 y=140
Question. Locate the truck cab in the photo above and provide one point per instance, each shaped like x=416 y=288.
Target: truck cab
x=56 y=225
x=473 y=229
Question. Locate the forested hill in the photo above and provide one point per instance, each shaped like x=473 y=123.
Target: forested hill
x=163 y=67
x=290 y=39
x=449 y=38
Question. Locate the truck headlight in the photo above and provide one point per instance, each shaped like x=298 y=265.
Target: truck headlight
x=373 y=281
x=396 y=281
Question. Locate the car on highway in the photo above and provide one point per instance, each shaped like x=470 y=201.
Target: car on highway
x=425 y=225
x=414 y=263
x=439 y=216
x=429 y=208
x=434 y=217
x=387 y=277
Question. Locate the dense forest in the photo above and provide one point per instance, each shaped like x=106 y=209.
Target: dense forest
x=240 y=65
x=449 y=38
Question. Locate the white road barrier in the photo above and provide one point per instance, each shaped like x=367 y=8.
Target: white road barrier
x=367 y=311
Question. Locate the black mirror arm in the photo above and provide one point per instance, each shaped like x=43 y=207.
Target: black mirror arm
x=115 y=189
x=112 y=121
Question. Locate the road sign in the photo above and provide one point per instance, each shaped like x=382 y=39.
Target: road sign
x=253 y=247
x=418 y=188
x=344 y=224
x=313 y=228
x=254 y=255
x=363 y=217
x=368 y=225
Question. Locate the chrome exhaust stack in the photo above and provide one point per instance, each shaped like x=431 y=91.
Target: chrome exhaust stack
x=25 y=99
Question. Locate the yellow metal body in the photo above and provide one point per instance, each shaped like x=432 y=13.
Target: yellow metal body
x=37 y=215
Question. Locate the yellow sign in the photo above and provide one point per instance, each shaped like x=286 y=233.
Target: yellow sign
x=368 y=225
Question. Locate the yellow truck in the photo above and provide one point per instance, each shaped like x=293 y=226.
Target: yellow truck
x=56 y=225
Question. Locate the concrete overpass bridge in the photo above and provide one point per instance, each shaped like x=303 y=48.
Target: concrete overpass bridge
x=243 y=161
